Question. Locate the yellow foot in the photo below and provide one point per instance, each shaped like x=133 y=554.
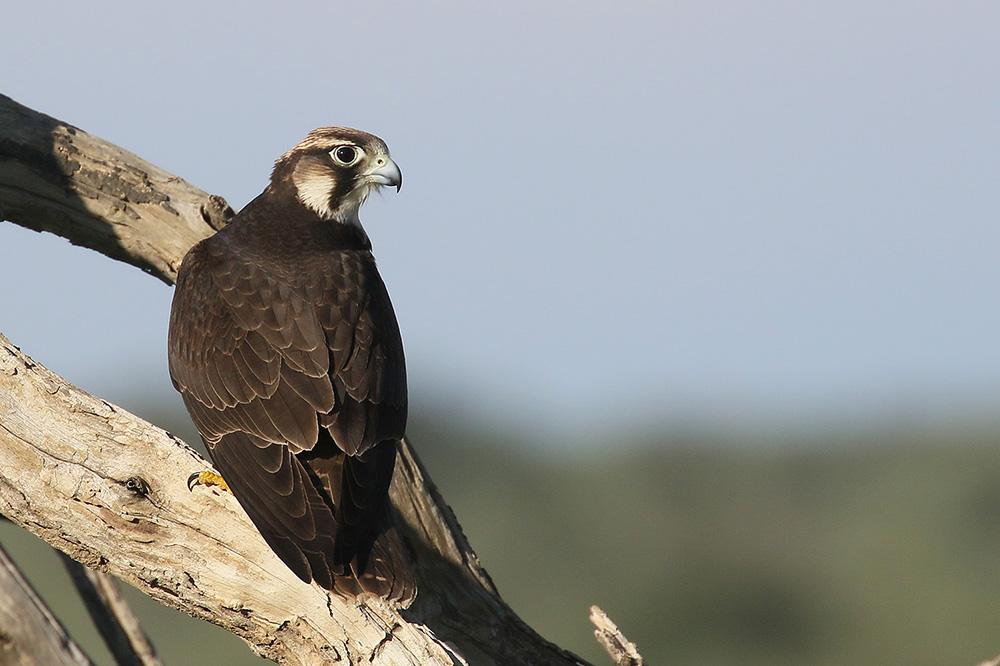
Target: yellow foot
x=206 y=478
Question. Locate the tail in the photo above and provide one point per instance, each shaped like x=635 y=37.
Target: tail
x=327 y=515
x=368 y=554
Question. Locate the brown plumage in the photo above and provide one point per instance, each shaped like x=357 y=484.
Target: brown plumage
x=285 y=348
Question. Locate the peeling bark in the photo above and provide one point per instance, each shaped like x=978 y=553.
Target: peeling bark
x=108 y=489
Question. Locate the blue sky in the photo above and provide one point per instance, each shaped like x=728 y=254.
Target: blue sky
x=612 y=212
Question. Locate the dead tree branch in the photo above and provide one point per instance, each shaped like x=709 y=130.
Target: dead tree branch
x=29 y=634
x=108 y=489
x=623 y=651
x=114 y=619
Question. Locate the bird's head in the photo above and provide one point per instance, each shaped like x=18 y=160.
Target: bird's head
x=334 y=169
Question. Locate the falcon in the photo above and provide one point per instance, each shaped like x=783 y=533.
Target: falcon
x=285 y=348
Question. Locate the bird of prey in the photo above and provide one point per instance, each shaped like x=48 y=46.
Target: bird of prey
x=285 y=348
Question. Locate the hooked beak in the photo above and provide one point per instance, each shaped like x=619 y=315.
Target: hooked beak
x=385 y=173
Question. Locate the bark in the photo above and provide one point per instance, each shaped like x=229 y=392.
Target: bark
x=108 y=488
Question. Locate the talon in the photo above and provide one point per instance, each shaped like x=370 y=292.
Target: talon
x=206 y=478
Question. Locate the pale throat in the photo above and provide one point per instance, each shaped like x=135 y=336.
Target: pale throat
x=314 y=189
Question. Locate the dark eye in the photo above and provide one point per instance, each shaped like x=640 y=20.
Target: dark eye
x=345 y=155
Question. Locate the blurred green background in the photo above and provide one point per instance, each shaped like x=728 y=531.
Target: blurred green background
x=876 y=548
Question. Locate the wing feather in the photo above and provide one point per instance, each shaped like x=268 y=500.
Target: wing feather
x=282 y=378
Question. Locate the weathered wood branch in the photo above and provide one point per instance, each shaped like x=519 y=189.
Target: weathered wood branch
x=57 y=178
x=111 y=614
x=623 y=651
x=109 y=489
x=30 y=635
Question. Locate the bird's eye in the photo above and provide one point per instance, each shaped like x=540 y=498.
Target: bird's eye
x=345 y=155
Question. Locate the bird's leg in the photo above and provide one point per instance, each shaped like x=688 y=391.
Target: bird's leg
x=206 y=478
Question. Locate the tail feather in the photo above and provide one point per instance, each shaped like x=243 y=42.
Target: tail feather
x=368 y=553
x=325 y=514
x=385 y=569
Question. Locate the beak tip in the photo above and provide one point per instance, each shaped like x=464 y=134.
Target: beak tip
x=386 y=174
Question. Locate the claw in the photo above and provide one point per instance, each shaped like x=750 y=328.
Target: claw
x=206 y=478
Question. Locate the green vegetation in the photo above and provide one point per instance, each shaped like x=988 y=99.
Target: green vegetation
x=881 y=550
